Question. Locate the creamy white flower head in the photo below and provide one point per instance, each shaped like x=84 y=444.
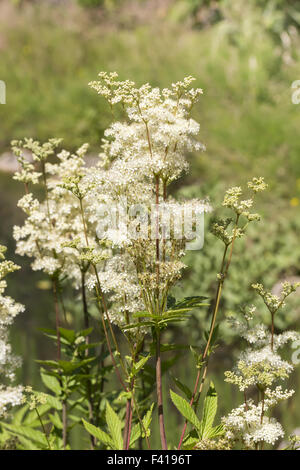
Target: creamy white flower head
x=9 y=309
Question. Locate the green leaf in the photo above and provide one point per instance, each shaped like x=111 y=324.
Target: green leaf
x=50 y=382
x=26 y=444
x=191 y=302
x=168 y=347
x=137 y=432
x=52 y=364
x=185 y=409
x=214 y=336
x=19 y=415
x=191 y=440
x=32 y=419
x=142 y=315
x=138 y=324
x=55 y=419
x=184 y=388
x=68 y=335
x=84 y=347
x=32 y=434
x=171 y=302
x=53 y=402
x=139 y=365
x=48 y=331
x=115 y=427
x=98 y=434
x=148 y=418
x=85 y=332
x=69 y=367
x=216 y=431
x=209 y=411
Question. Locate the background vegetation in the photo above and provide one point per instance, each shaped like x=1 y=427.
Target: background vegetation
x=245 y=55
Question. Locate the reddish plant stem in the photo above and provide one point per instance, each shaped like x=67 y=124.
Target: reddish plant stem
x=126 y=429
x=129 y=427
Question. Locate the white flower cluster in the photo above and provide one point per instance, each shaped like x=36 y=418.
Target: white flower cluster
x=52 y=225
x=157 y=134
x=258 y=370
x=9 y=309
x=248 y=425
x=140 y=157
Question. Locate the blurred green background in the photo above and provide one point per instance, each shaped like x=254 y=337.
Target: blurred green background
x=245 y=55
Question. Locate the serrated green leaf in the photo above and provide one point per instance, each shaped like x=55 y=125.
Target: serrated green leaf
x=139 y=365
x=216 y=431
x=137 y=431
x=191 y=440
x=115 y=427
x=98 y=434
x=148 y=418
x=135 y=434
x=190 y=302
x=209 y=411
x=185 y=409
x=29 y=433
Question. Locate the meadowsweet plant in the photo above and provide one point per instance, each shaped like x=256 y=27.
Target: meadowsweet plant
x=258 y=374
x=115 y=236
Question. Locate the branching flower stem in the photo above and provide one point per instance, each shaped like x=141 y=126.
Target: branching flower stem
x=64 y=404
x=43 y=428
x=223 y=274
x=103 y=307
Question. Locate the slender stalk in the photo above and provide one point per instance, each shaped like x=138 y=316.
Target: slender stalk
x=129 y=426
x=64 y=404
x=140 y=420
x=160 y=394
x=223 y=274
x=57 y=320
x=272 y=332
x=87 y=341
x=43 y=428
x=102 y=306
x=65 y=424
x=85 y=308
x=127 y=420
